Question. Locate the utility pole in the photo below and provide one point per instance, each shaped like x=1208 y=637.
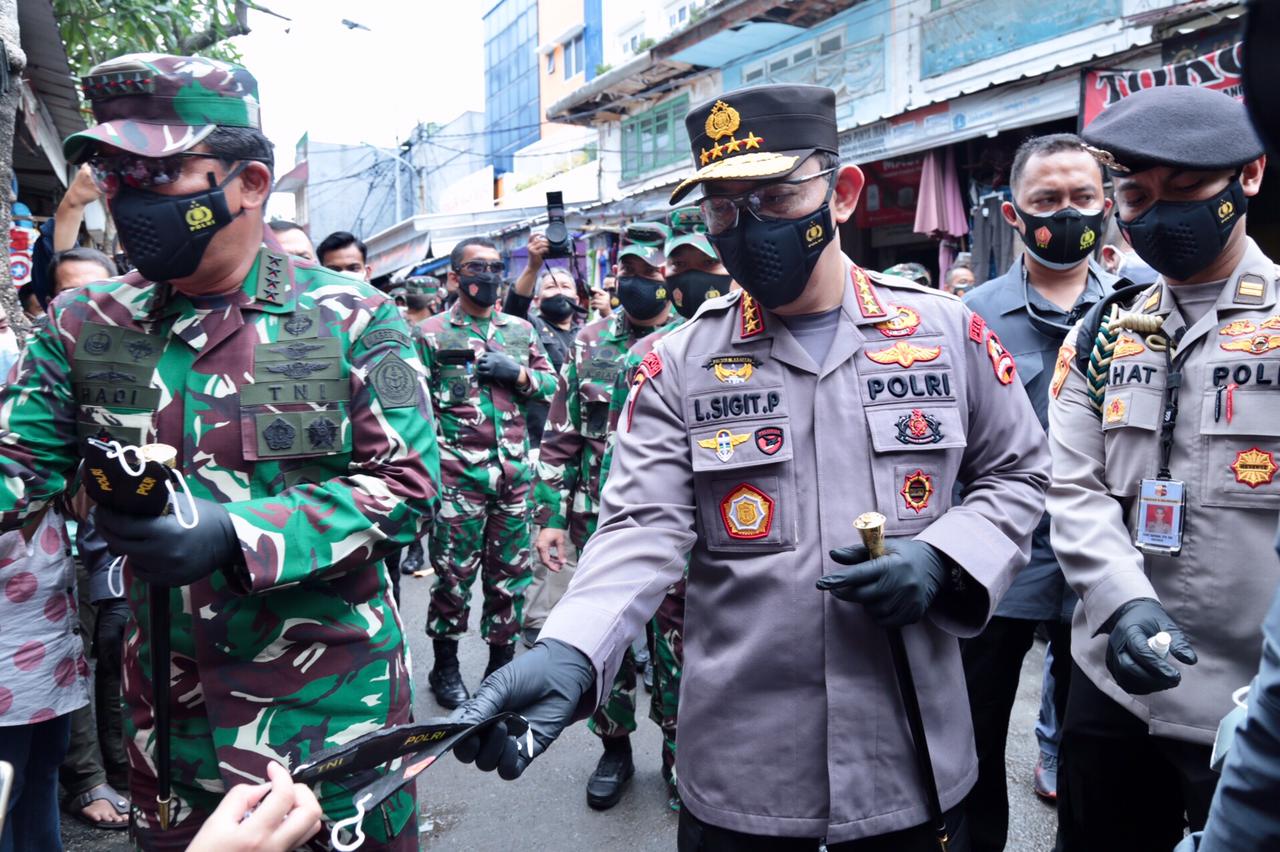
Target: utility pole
x=401 y=161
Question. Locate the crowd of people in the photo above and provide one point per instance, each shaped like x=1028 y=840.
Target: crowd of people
x=779 y=490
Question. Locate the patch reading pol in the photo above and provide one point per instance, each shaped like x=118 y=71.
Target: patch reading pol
x=395 y=382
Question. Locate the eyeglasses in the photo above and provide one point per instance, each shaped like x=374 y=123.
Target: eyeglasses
x=111 y=171
x=782 y=199
x=479 y=267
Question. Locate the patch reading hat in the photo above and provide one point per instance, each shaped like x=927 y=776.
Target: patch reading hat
x=156 y=105
x=1185 y=127
x=759 y=133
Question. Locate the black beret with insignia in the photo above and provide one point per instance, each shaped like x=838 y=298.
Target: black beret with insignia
x=759 y=133
x=1186 y=127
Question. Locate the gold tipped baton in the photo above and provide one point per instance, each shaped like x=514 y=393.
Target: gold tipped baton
x=870 y=525
x=158 y=603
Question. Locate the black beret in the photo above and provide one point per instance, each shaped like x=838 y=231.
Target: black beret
x=759 y=133
x=1181 y=126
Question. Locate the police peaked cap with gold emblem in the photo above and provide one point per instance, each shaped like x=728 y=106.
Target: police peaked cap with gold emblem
x=156 y=105
x=1185 y=127
x=759 y=133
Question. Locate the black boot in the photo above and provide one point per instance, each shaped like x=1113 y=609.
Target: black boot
x=499 y=656
x=607 y=783
x=445 y=679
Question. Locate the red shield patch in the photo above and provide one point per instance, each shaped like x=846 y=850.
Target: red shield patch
x=747 y=513
x=769 y=440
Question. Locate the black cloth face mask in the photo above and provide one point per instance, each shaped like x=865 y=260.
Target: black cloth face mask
x=481 y=288
x=557 y=308
x=1182 y=238
x=773 y=259
x=689 y=289
x=1062 y=240
x=165 y=236
x=642 y=298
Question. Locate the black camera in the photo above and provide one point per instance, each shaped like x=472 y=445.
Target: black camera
x=560 y=244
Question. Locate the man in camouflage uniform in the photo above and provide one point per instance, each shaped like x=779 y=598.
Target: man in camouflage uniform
x=694 y=274
x=567 y=497
x=295 y=400
x=483 y=368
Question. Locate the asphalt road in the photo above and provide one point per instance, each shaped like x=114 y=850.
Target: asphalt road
x=462 y=809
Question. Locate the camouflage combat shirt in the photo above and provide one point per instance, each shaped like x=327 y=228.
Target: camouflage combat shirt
x=298 y=403
x=482 y=425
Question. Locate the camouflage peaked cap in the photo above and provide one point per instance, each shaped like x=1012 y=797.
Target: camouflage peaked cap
x=422 y=285
x=156 y=105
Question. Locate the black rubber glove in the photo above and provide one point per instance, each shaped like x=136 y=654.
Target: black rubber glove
x=160 y=551
x=1136 y=668
x=498 y=368
x=545 y=686
x=897 y=588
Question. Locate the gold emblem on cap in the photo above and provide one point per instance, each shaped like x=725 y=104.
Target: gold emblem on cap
x=1225 y=209
x=723 y=120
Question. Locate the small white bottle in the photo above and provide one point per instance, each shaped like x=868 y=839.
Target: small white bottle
x=1160 y=643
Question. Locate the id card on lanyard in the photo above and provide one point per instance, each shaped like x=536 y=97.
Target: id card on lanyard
x=1161 y=506
x=1162 y=502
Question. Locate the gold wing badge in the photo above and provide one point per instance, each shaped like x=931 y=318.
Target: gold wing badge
x=723 y=443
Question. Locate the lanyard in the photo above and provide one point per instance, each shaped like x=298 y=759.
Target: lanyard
x=1169 y=420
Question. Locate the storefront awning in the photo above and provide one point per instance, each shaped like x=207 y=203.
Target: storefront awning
x=968 y=117
x=401 y=254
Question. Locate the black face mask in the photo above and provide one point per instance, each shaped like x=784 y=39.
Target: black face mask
x=1181 y=238
x=165 y=236
x=642 y=298
x=773 y=260
x=1063 y=239
x=557 y=308
x=481 y=289
x=691 y=288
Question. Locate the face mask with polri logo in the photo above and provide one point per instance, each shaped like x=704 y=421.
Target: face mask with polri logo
x=165 y=236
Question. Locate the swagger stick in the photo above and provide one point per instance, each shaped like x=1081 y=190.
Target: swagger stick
x=870 y=526
x=158 y=603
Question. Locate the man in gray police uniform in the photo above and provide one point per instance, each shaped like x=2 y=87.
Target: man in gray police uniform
x=753 y=437
x=1165 y=394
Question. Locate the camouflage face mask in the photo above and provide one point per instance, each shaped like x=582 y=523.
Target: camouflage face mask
x=166 y=236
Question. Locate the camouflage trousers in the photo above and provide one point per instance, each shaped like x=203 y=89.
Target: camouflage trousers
x=616 y=717
x=202 y=755
x=485 y=531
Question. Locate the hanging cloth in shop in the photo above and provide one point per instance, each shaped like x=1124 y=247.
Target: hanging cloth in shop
x=940 y=209
x=994 y=244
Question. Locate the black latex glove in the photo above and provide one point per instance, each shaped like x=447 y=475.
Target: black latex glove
x=499 y=368
x=897 y=588
x=545 y=686
x=160 y=551
x=1136 y=668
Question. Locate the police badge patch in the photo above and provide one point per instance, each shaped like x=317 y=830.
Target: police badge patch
x=917 y=488
x=732 y=369
x=919 y=428
x=747 y=513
